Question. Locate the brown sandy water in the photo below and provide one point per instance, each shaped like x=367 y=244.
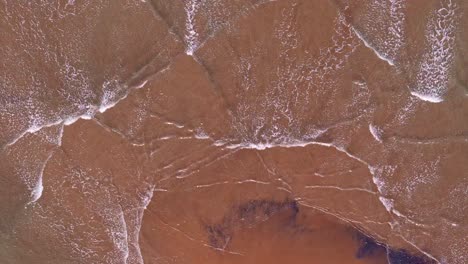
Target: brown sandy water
x=244 y=131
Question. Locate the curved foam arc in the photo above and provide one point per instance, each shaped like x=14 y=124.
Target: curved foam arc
x=386 y=47
x=36 y=192
x=376 y=52
x=69 y=120
x=432 y=98
x=376 y=132
x=31 y=130
x=433 y=75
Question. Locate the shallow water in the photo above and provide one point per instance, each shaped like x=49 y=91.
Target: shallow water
x=247 y=131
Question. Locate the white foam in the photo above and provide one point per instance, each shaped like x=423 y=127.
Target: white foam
x=339 y=188
x=433 y=75
x=147 y=199
x=398 y=17
x=31 y=130
x=388 y=204
x=275 y=116
x=200 y=134
x=376 y=52
x=191 y=36
x=263 y=146
x=376 y=132
x=252 y=181
x=376 y=178
x=60 y=135
x=89 y=114
x=141 y=85
x=174 y=124
x=432 y=98
x=396 y=34
x=37 y=191
x=106 y=101
x=120 y=237
x=211 y=184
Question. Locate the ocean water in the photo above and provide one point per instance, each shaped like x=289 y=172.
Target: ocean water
x=244 y=131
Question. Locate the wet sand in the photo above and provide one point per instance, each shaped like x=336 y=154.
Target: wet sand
x=249 y=131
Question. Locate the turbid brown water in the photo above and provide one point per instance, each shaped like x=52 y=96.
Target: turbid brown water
x=244 y=131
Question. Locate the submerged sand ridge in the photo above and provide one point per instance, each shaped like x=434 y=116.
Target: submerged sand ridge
x=209 y=131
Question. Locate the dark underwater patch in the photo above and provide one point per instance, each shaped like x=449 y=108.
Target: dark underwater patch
x=247 y=214
x=403 y=257
x=368 y=247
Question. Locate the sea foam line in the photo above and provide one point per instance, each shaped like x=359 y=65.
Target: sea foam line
x=368 y=45
x=191 y=36
x=372 y=169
